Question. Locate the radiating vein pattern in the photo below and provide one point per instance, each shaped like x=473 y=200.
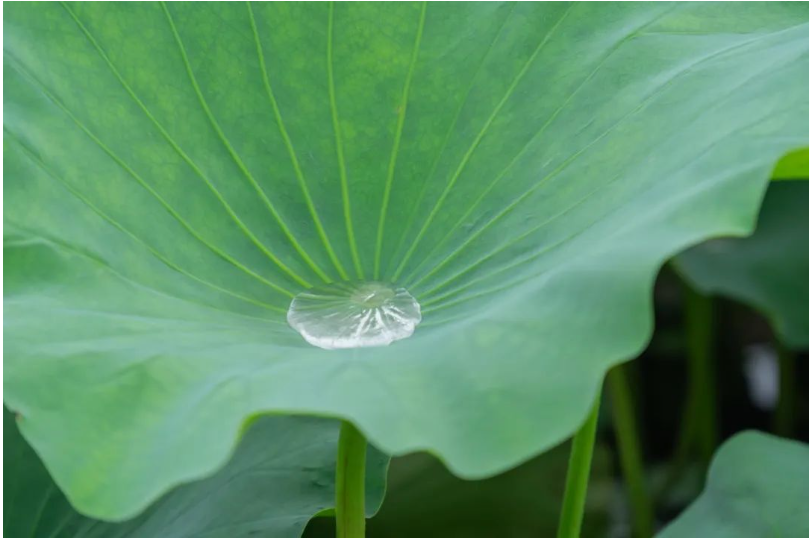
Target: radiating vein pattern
x=143 y=183
x=467 y=156
x=427 y=145
x=647 y=99
x=183 y=155
x=233 y=153
x=395 y=146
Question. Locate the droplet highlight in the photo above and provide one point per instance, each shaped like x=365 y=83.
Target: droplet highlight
x=345 y=315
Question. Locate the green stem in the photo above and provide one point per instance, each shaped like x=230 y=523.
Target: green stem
x=631 y=460
x=698 y=424
x=699 y=334
x=350 y=467
x=784 y=419
x=572 y=511
x=679 y=460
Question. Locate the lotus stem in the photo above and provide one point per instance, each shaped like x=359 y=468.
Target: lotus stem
x=699 y=333
x=698 y=428
x=572 y=510
x=350 y=470
x=628 y=442
x=784 y=419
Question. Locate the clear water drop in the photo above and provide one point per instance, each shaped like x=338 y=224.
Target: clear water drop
x=345 y=315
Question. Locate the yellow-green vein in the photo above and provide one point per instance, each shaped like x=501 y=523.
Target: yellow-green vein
x=512 y=205
x=447 y=137
x=36 y=83
x=342 y=168
x=176 y=147
x=38 y=162
x=58 y=244
x=294 y=160
x=390 y=173
x=535 y=255
x=528 y=144
x=467 y=156
x=231 y=151
x=503 y=247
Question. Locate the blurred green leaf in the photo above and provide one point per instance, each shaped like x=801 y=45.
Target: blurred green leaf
x=280 y=475
x=768 y=270
x=758 y=487
x=794 y=165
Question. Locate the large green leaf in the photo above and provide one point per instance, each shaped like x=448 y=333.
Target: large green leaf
x=279 y=477
x=758 y=486
x=768 y=270
x=174 y=173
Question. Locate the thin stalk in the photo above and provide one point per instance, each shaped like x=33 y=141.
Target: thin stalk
x=631 y=460
x=682 y=454
x=698 y=429
x=350 y=467
x=784 y=418
x=701 y=375
x=572 y=510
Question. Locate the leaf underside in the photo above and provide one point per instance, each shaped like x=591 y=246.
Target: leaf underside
x=768 y=270
x=175 y=173
x=281 y=474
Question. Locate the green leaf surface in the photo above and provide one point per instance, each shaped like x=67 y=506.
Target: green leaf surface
x=175 y=173
x=279 y=477
x=758 y=485
x=768 y=270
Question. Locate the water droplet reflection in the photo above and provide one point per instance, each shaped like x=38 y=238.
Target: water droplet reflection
x=345 y=315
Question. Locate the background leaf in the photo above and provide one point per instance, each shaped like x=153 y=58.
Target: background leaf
x=794 y=165
x=757 y=486
x=768 y=270
x=279 y=477
x=174 y=173
x=523 y=502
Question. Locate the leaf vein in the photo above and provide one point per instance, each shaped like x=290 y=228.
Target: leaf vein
x=512 y=205
x=294 y=160
x=172 y=265
x=467 y=156
x=450 y=130
x=390 y=174
x=708 y=149
x=173 y=212
x=342 y=168
x=237 y=160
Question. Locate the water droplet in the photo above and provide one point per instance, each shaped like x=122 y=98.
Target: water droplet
x=354 y=314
